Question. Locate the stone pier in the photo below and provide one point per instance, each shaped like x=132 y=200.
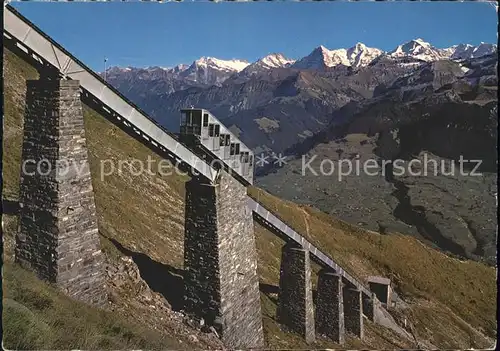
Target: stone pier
x=295 y=304
x=353 y=312
x=330 y=307
x=58 y=235
x=368 y=305
x=220 y=261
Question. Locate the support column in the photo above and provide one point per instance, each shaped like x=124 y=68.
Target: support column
x=58 y=235
x=368 y=305
x=295 y=303
x=353 y=312
x=220 y=261
x=330 y=307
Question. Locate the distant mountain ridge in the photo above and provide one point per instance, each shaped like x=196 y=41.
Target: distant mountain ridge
x=298 y=97
x=357 y=56
x=140 y=83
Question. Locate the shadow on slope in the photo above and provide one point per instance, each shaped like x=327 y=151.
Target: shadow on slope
x=10 y=207
x=161 y=278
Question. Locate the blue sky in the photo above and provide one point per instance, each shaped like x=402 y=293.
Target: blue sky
x=153 y=34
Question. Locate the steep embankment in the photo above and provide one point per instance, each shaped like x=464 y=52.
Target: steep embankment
x=450 y=303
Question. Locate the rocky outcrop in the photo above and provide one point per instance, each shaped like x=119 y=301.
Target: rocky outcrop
x=131 y=295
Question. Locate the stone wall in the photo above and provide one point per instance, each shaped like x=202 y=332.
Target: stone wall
x=220 y=261
x=295 y=304
x=58 y=235
x=330 y=307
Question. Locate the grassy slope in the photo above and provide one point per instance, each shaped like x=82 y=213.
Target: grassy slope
x=463 y=291
x=145 y=214
x=35 y=315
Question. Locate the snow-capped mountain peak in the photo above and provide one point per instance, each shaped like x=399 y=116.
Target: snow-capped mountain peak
x=484 y=49
x=323 y=49
x=356 y=56
x=412 y=47
x=468 y=51
x=227 y=65
x=275 y=60
x=419 y=49
x=321 y=58
x=180 y=68
x=361 y=55
x=358 y=47
x=211 y=70
x=266 y=63
x=422 y=50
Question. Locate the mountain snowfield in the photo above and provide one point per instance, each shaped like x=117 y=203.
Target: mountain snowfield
x=420 y=50
x=358 y=56
x=227 y=65
x=274 y=60
x=424 y=51
x=467 y=51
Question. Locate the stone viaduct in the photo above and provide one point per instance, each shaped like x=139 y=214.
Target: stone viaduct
x=58 y=232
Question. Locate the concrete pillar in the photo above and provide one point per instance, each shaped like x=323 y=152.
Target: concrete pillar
x=353 y=312
x=220 y=261
x=58 y=235
x=295 y=303
x=330 y=307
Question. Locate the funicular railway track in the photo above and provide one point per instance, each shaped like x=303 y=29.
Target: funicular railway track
x=25 y=38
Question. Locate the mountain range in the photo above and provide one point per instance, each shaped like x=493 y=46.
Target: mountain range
x=412 y=100
x=278 y=101
x=209 y=70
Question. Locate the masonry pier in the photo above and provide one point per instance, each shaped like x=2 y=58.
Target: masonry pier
x=368 y=305
x=330 y=306
x=58 y=234
x=295 y=303
x=353 y=312
x=220 y=261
